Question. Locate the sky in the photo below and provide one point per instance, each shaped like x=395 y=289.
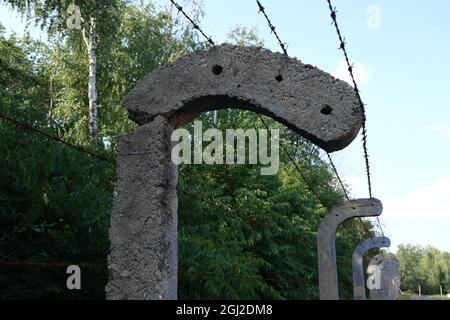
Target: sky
x=401 y=50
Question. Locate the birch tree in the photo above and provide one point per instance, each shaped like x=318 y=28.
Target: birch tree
x=90 y=18
x=90 y=41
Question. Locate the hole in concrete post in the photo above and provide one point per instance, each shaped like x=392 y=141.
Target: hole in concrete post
x=326 y=110
x=217 y=70
x=279 y=78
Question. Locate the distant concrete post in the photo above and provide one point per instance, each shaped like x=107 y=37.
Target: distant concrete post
x=389 y=277
x=326 y=241
x=420 y=291
x=359 y=289
x=376 y=261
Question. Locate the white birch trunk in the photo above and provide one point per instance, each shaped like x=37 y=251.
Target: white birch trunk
x=90 y=40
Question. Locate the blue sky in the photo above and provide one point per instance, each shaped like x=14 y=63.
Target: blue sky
x=403 y=69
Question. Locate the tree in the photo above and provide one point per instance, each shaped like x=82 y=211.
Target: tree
x=55 y=202
x=94 y=19
x=427 y=267
x=253 y=237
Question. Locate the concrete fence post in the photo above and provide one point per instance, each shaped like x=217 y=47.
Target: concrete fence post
x=326 y=241
x=359 y=288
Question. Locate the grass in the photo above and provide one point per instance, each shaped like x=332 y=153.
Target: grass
x=439 y=297
x=408 y=296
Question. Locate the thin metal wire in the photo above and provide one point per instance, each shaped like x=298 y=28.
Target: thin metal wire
x=355 y=87
x=338 y=177
x=31 y=128
x=272 y=27
x=311 y=189
x=283 y=47
x=194 y=24
x=342 y=46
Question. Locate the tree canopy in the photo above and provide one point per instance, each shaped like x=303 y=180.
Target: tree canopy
x=241 y=235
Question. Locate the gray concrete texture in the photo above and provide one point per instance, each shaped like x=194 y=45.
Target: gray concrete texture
x=323 y=109
x=389 y=279
x=143 y=232
x=359 y=288
x=326 y=241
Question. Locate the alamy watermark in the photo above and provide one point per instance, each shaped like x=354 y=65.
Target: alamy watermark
x=374 y=19
x=232 y=152
x=374 y=279
x=74 y=19
x=74 y=280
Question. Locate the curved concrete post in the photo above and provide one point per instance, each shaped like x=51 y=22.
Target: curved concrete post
x=311 y=102
x=389 y=276
x=143 y=231
x=326 y=241
x=359 y=289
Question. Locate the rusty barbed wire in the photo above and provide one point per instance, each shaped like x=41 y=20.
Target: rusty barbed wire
x=272 y=27
x=362 y=107
x=342 y=46
x=194 y=24
x=283 y=46
x=333 y=166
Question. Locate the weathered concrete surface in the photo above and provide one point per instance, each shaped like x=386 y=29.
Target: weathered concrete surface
x=309 y=101
x=326 y=241
x=390 y=279
x=389 y=274
x=359 y=289
x=143 y=233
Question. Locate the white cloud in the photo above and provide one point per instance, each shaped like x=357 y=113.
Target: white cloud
x=420 y=217
x=360 y=71
x=430 y=202
x=442 y=128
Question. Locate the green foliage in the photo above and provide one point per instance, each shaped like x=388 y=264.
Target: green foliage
x=258 y=238
x=54 y=202
x=255 y=236
x=427 y=267
x=244 y=36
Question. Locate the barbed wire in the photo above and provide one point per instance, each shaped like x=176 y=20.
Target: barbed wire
x=28 y=127
x=272 y=27
x=194 y=24
x=283 y=46
x=342 y=47
x=312 y=190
